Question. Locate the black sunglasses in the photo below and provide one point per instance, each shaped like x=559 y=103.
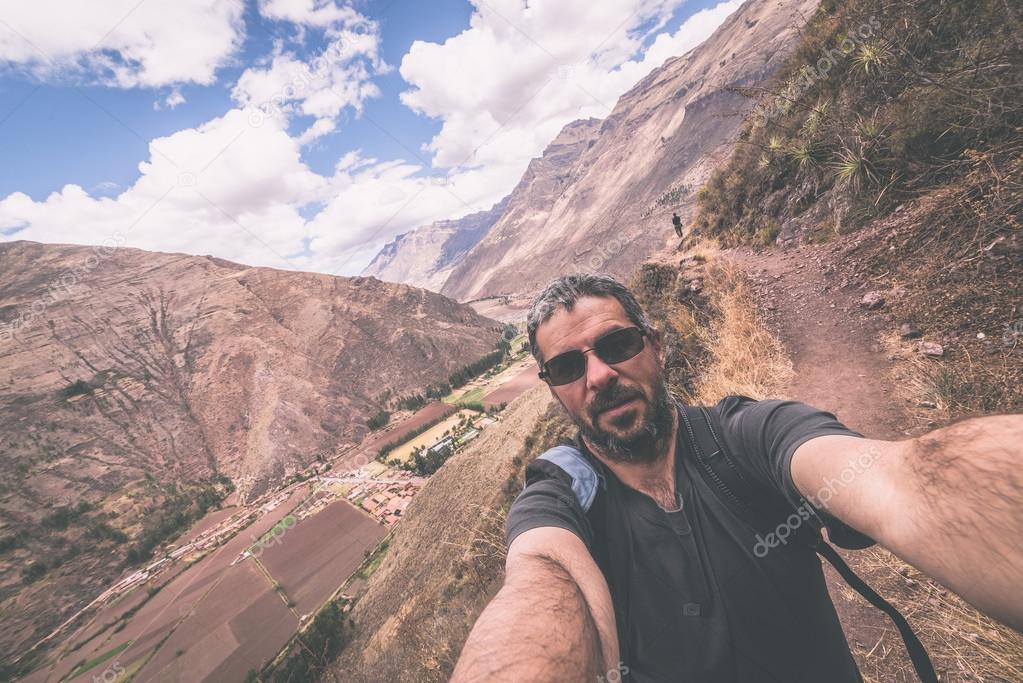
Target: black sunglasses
x=613 y=347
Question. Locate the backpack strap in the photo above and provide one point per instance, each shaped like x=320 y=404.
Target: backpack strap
x=917 y=652
x=585 y=479
x=762 y=510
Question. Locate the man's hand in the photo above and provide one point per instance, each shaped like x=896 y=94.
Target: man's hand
x=551 y=621
x=950 y=503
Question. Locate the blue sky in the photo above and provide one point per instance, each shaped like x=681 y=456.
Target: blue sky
x=299 y=133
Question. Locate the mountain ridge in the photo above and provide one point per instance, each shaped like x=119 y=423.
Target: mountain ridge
x=424 y=257
x=134 y=383
x=659 y=141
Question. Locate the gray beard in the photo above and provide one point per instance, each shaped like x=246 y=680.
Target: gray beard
x=647 y=443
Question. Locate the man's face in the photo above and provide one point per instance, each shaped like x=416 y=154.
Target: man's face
x=622 y=409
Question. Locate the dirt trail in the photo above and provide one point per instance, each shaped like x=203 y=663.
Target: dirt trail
x=840 y=367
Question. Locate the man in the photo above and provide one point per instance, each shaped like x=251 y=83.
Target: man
x=658 y=580
x=677 y=222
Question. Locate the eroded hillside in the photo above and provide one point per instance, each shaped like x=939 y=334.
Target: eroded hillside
x=612 y=206
x=138 y=389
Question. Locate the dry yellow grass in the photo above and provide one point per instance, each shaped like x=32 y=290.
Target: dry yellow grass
x=743 y=356
x=963 y=643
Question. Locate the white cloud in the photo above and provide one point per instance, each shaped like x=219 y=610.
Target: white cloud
x=340 y=76
x=237 y=191
x=321 y=13
x=172 y=100
x=694 y=31
x=236 y=186
x=318 y=88
x=371 y=201
x=123 y=43
x=505 y=86
x=225 y=188
x=317 y=129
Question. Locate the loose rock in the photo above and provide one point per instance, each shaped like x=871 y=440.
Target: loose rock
x=909 y=331
x=872 y=300
x=932 y=349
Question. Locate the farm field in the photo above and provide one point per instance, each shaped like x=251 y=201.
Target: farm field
x=218 y=618
x=521 y=382
x=315 y=553
x=367 y=451
x=479 y=388
x=427 y=438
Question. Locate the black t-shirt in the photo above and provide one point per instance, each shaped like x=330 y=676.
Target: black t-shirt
x=694 y=600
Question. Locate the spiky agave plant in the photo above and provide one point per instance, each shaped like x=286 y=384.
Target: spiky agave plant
x=870 y=130
x=854 y=168
x=872 y=57
x=804 y=153
x=775 y=143
x=815 y=118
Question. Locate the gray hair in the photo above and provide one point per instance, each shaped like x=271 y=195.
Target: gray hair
x=567 y=290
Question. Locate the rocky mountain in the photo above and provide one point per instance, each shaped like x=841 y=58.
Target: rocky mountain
x=134 y=384
x=601 y=196
x=425 y=256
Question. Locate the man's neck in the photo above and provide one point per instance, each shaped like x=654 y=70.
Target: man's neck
x=654 y=477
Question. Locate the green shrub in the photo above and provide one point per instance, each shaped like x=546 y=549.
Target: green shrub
x=77 y=388
x=34 y=571
x=378 y=421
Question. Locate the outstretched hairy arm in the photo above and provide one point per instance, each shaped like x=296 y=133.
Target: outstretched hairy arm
x=949 y=502
x=551 y=621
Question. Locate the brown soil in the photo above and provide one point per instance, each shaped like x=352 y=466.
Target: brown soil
x=841 y=366
x=513 y=388
x=331 y=544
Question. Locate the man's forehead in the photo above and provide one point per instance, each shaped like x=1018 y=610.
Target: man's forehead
x=590 y=317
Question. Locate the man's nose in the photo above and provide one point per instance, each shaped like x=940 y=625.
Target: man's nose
x=599 y=375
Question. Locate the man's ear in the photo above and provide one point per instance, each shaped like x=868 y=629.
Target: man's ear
x=656 y=339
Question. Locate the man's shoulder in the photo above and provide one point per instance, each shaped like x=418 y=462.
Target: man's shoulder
x=558 y=492
x=731 y=410
x=734 y=402
x=772 y=428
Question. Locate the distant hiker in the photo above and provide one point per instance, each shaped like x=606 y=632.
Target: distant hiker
x=677 y=222
x=670 y=542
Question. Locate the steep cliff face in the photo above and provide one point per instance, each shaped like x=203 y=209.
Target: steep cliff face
x=546 y=179
x=128 y=378
x=425 y=256
x=612 y=205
